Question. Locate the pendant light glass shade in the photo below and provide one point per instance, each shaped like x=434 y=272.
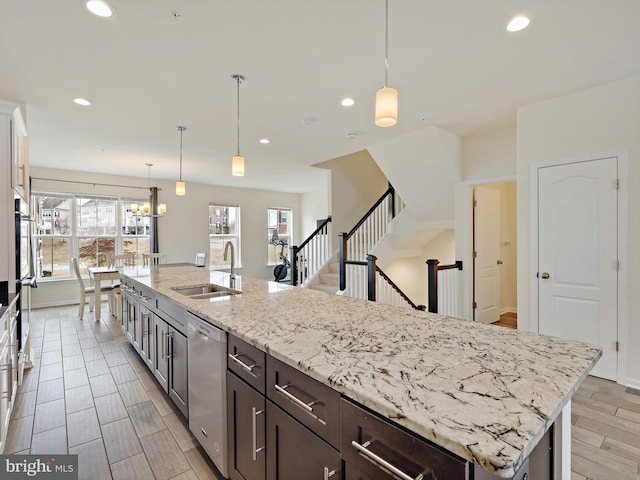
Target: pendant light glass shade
x=181 y=188
x=237 y=166
x=162 y=208
x=386 y=97
x=386 y=107
x=237 y=161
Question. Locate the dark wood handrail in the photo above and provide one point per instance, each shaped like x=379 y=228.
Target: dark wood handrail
x=317 y=231
x=322 y=228
x=390 y=191
x=399 y=290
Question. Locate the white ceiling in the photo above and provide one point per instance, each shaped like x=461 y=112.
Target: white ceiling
x=452 y=62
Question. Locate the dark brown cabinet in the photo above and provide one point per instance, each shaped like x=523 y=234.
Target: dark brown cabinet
x=246 y=423
x=374 y=449
x=294 y=452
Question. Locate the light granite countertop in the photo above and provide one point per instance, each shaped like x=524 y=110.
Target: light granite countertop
x=485 y=393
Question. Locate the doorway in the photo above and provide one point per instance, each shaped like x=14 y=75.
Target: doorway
x=494 y=247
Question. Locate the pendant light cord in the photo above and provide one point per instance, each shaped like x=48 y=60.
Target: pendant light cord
x=238 y=110
x=386 y=43
x=181 y=130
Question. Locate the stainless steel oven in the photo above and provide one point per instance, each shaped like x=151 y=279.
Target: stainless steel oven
x=25 y=278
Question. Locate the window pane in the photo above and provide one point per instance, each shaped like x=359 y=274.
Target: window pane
x=52 y=256
x=96 y=216
x=133 y=224
x=278 y=234
x=52 y=215
x=93 y=251
x=224 y=226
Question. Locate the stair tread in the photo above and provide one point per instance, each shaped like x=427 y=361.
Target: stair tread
x=323 y=287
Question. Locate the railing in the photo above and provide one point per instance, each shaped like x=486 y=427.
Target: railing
x=372 y=227
x=371 y=283
x=443 y=287
x=311 y=255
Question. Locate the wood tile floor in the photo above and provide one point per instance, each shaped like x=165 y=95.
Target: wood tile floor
x=90 y=394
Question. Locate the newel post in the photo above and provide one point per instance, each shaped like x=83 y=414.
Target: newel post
x=342 y=246
x=371 y=277
x=294 y=265
x=433 y=284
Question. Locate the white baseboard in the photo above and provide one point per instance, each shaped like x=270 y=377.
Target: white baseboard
x=633 y=383
x=508 y=310
x=58 y=303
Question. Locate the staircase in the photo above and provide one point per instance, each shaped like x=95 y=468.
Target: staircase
x=328 y=279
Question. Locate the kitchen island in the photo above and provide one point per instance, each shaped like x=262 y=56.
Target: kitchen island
x=486 y=394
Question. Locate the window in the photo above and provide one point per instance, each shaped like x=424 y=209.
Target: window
x=278 y=233
x=84 y=227
x=224 y=226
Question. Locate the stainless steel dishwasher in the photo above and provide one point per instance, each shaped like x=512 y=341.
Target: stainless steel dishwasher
x=208 y=389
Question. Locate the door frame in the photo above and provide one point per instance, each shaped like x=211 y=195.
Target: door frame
x=623 y=248
x=464 y=237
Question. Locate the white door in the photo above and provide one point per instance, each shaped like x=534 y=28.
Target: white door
x=487 y=248
x=577 y=255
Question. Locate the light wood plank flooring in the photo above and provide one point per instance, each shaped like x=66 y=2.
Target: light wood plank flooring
x=509 y=320
x=89 y=393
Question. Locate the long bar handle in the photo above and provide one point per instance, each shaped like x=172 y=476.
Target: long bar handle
x=248 y=368
x=254 y=430
x=293 y=398
x=381 y=461
x=169 y=338
x=164 y=346
x=328 y=474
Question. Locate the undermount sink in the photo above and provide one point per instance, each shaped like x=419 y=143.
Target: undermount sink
x=208 y=290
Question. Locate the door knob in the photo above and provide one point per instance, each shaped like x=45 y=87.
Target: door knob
x=499 y=262
x=544 y=275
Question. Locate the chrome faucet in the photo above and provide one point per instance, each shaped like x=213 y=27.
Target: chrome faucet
x=226 y=248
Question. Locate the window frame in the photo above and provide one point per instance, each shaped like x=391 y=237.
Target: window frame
x=224 y=237
x=121 y=202
x=275 y=260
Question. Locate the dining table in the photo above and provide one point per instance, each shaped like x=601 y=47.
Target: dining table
x=100 y=274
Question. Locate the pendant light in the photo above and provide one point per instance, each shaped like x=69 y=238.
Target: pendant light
x=237 y=162
x=386 y=97
x=145 y=210
x=181 y=188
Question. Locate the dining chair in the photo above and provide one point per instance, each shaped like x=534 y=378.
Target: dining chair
x=149 y=259
x=124 y=260
x=90 y=291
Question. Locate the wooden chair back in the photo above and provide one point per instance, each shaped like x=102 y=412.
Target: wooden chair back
x=153 y=259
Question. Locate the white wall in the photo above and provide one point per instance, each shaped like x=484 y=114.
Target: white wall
x=423 y=166
x=314 y=206
x=183 y=231
x=356 y=183
x=410 y=273
x=600 y=120
x=489 y=153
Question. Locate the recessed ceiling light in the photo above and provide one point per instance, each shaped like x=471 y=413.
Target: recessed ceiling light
x=264 y=140
x=517 y=23
x=347 y=102
x=82 y=101
x=99 y=8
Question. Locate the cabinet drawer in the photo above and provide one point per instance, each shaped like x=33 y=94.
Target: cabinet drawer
x=173 y=313
x=294 y=453
x=247 y=362
x=374 y=448
x=309 y=401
